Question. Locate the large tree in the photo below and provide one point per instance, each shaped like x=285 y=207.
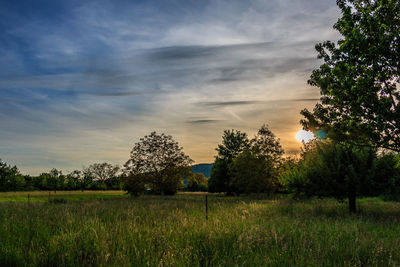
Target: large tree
x=255 y=170
x=246 y=166
x=159 y=162
x=266 y=144
x=233 y=143
x=359 y=79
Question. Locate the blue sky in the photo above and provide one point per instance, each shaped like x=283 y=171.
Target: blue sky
x=82 y=81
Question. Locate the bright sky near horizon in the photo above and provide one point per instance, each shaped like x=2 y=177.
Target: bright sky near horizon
x=82 y=81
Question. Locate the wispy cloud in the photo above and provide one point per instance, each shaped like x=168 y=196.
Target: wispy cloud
x=81 y=81
x=204 y=121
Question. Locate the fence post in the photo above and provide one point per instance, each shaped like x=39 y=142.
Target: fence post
x=29 y=199
x=206 y=207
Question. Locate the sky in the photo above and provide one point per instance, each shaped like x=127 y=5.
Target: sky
x=82 y=81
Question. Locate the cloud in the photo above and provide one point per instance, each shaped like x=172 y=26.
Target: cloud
x=85 y=81
x=205 y=121
x=228 y=103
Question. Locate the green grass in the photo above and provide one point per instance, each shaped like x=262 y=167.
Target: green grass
x=172 y=231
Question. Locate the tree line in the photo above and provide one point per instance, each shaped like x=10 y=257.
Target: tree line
x=98 y=176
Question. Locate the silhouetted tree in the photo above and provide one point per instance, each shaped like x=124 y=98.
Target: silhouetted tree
x=104 y=174
x=160 y=162
x=244 y=166
x=253 y=173
x=267 y=145
x=255 y=170
x=233 y=143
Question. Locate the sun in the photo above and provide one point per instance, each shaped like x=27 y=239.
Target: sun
x=304 y=136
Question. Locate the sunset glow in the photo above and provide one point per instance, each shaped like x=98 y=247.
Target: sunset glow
x=304 y=136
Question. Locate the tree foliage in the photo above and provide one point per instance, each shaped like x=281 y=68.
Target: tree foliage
x=246 y=166
x=10 y=177
x=160 y=162
x=12 y=180
x=233 y=143
x=103 y=171
x=267 y=145
x=359 y=79
x=330 y=169
x=253 y=172
x=220 y=179
x=197 y=182
x=105 y=174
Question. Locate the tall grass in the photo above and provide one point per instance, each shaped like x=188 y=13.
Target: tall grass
x=172 y=231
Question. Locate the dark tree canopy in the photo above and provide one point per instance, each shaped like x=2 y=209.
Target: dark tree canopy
x=160 y=161
x=253 y=173
x=266 y=144
x=233 y=143
x=359 y=79
x=197 y=182
x=330 y=169
x=10 y=177
x=103 y=171
x=246 y=166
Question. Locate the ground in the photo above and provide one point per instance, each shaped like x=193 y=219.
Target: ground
x=113 y=229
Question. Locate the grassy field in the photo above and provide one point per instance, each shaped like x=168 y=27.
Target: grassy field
x=172 y=231
x=44 y=196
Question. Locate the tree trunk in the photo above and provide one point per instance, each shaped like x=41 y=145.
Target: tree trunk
x=352 y=200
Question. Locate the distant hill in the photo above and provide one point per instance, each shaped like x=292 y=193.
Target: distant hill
x=204 y=168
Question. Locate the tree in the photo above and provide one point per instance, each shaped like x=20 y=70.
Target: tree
x=330 y=169
x=267 y=145
x=253 y=172
x=197 y=182
x=10 y=178
x=231 y=172
x=85 y=177
x=233 y=143
x=72 y=181
x=219 y=179
x=52 y=179
x=160 y=162
x=359 y=79
x=104 y=174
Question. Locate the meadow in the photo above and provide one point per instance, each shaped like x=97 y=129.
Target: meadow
x=113 y=229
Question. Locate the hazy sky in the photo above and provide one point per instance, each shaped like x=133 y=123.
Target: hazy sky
x=82 y=81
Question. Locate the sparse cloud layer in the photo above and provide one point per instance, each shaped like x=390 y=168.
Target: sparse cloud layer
x=81 y=81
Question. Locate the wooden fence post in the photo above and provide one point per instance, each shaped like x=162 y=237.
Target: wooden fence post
x=206 y=207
